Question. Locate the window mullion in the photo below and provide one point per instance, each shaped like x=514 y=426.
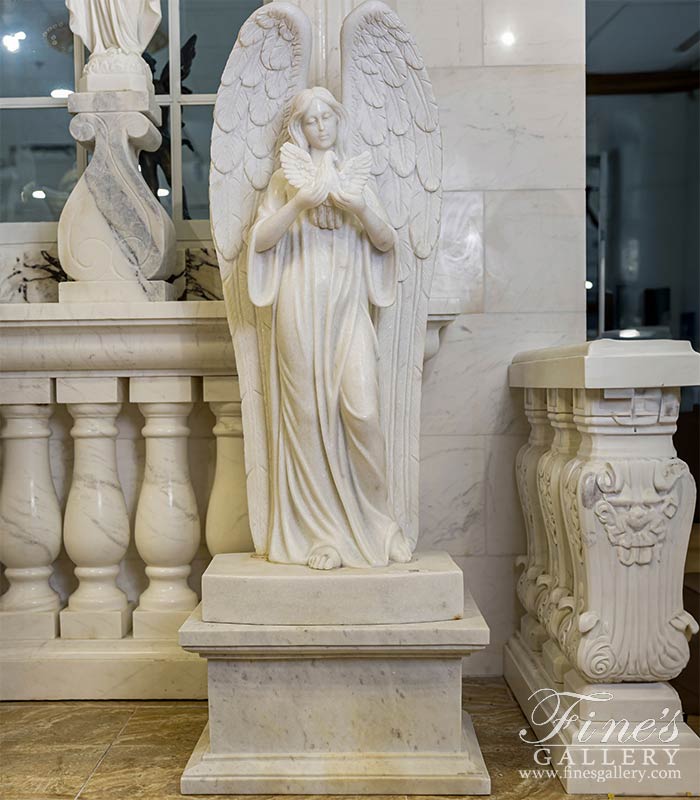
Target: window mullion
x=176 y=110
x=81 y=153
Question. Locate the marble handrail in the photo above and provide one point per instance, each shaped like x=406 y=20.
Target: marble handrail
x=608 y=509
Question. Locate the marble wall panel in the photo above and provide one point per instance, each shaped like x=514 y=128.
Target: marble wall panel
x=452 y=495
x=465 y=386
x=455 y=44
x=459 y=263
x=542 y=32
x=535 y=251
x=512 y=127
x=505 y=531
x=491 y=580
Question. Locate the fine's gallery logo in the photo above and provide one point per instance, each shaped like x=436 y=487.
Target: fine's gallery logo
x=574 y=731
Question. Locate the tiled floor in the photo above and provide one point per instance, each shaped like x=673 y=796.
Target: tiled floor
x=135 y=750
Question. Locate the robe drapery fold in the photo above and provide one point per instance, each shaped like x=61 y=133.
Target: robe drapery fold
x=126 y=24
x=328 y=476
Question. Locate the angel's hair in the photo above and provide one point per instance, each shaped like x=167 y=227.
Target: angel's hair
x=300 y=106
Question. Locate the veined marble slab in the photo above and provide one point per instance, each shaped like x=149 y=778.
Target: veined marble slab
x=455 y=636
x=244 y=588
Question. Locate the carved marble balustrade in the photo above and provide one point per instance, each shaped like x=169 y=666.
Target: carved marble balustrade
x=111 y=481
x=122 y=471
x=608 y=509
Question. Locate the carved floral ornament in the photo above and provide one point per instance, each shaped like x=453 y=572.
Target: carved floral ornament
x=634 y=502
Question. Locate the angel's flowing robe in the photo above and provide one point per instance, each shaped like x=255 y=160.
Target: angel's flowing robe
x=104 y=24
x=329 y=476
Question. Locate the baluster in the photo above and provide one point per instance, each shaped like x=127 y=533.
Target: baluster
x=629 y=505
x=530 y=587
x=30 y=516
x=96 y=523
x=555 y=607
x=167 y=529
x=227 y=526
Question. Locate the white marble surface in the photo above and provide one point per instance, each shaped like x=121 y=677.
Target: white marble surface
x=459 y=263
x=394 y=691
x=452 y=508
x=518 y=265
x=465 y=388
x=244 y=588
x=460 y=773
x=378 y=705
x=500 y=608
x=350 y=498
x=72 y=669
x=542 y=32
x=512 y=127
x=505 y=534
x=608 y=364
x=456 y=44
x=468 y=634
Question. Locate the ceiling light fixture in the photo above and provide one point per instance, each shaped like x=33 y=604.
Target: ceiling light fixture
x=589 y=284
x=10 y=41
x=508 y=38
x=39 y=194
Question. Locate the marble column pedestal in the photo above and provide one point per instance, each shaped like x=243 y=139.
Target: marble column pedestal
x=351 y=708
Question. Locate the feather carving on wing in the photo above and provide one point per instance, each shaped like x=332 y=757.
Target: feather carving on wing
x=268 y=66
x=389 y=97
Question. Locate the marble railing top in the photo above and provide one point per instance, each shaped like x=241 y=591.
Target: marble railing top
x=608 y=364
x=174 y=338
x=125 y=339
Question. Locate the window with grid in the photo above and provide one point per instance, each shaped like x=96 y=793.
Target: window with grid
x=40 y=62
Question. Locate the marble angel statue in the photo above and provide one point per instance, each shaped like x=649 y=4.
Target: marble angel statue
x=325 y=217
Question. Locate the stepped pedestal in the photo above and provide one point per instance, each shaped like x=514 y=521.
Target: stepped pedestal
x=316 y=706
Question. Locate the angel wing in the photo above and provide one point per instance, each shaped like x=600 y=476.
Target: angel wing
x=298 y=167
x=268 y=66
x=389 y=97
x=355 y=173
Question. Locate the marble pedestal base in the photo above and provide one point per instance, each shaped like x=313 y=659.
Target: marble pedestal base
x=39 y=625
x=157 y=624
x=95 y=624
x=336 y=709
x=428 y=588
x=660 y=763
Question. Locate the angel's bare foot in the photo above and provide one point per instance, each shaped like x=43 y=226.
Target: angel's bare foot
x=324 y=558
x=399 y=549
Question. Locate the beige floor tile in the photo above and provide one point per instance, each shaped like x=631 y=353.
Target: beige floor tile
x=136 y=772
x=173 y=728
x=49 y=724
x=59 y=770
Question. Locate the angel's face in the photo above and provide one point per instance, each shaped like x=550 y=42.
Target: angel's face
x=320 y=125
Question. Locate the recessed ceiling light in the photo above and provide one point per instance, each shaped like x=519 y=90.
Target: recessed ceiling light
x=630 y=333
x=10 y=41
x=62 y=93
x=508 y=38
x=39 y=194
x=163 y=192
